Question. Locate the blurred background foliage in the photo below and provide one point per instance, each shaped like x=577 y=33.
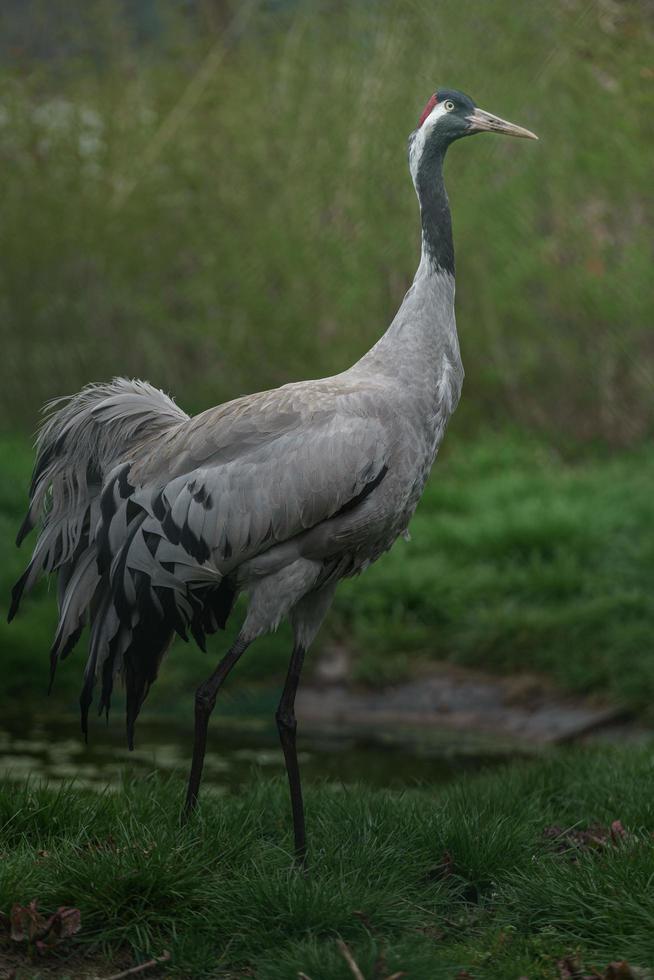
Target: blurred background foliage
x=214 y=196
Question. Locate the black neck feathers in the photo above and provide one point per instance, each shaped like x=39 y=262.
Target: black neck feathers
x=435 y=212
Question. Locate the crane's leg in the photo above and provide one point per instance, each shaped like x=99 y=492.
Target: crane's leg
x=205 y=700
x=287 y=727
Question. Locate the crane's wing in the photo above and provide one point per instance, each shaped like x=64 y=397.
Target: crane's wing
x=227 y=510
x=166 y=553
x=151 y=512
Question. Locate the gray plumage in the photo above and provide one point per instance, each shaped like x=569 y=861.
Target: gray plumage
x=155 y=522
x=277 y=495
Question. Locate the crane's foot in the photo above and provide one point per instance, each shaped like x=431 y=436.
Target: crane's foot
x=301 y=860
x=190 y=804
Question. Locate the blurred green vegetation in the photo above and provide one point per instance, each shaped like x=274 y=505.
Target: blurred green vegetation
x=520 y=562
x=427 y=881
x=220 y=209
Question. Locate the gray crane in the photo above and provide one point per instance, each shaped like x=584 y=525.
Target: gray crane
x=155 y=522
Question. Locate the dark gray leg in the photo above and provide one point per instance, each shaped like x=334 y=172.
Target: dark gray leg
x=205 y=700
x=287 y=727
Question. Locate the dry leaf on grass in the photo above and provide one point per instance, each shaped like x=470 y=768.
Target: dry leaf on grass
x=570 y=840
x=26 y=924
x=571 y=968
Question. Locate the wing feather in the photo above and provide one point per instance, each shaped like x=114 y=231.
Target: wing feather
x=233 y=510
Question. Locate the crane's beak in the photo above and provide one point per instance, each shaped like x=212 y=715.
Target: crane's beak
x=485 y=122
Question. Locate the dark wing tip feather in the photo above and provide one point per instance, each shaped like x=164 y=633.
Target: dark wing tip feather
x=44 y=457
x=61 y=650
x=17 y=594
x=198 y=636
x=222 y=603
x=71 y=642
x=24 y=529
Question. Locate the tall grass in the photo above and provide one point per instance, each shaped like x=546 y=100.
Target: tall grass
x=433 y=882
x=268 y=229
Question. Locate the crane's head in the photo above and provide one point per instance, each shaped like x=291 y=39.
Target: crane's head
x=449 y=115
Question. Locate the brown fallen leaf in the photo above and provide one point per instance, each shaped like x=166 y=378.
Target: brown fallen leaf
x=621 y=970
x=28 y=925
x=62 y=925
x=570 y=968
x=570 y=840
x=617 y=831
x=24 y=922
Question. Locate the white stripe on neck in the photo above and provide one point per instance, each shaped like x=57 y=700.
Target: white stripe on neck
x=417 y=146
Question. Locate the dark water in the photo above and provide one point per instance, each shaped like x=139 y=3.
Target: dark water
x=238 y=753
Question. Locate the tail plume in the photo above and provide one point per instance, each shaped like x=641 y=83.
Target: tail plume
x=84 y=451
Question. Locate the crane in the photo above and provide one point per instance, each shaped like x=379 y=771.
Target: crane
x=155 y=522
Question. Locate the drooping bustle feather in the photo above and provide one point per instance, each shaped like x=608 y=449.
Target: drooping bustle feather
x=84 y=529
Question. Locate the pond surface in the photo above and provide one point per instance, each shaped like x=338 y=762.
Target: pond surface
x=237 y=754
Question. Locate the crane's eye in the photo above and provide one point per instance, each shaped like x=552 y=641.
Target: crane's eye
x=449 y=105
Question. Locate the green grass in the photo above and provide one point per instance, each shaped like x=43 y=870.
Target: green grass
x=273 y=236
x=440 y=880
x=519 y=561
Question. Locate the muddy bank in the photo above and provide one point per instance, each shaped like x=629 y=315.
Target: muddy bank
x=521 y=708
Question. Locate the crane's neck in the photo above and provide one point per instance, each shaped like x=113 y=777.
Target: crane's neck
x=421 y=344
x=435 y=217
